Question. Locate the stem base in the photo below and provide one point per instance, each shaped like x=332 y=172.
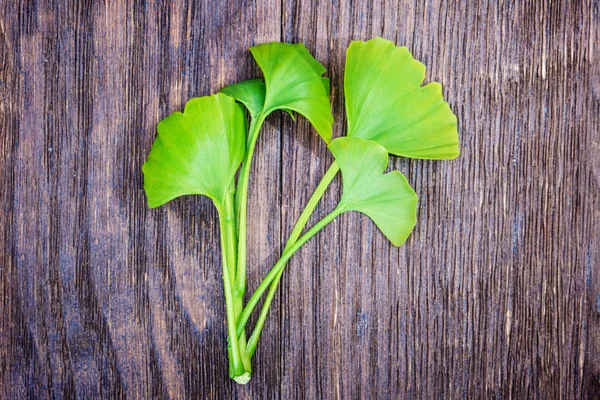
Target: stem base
x=243 y=379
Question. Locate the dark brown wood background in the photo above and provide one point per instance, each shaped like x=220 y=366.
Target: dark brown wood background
x=495 y=295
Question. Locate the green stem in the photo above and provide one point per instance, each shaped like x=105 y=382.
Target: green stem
x=298 y=228
x=253 y=341
x=238 y=369
x=312 y=204
x=231 y=244
x=277 y=268
x=296 y=232
x=231 y=234
x=241 y=202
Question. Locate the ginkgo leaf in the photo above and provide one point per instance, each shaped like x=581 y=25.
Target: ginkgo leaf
x=293 y=82
x=250 y=93
x=387 y=199
x=197 y=151
x=385 y=102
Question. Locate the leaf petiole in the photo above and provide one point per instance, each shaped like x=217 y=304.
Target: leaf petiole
x=274 y=279
x=239 y=362
x=241 y=203
x=312 y=204
x=277 y=268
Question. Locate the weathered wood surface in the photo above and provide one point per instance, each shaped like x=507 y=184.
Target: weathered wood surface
x=496 y=294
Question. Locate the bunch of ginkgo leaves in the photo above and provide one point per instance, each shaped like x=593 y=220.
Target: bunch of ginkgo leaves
x=388 y=112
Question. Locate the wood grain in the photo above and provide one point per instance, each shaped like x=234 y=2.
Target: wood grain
x=495 y=295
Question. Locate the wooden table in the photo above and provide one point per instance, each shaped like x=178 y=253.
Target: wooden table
x=495 y=295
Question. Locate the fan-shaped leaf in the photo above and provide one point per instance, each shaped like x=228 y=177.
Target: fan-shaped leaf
x=293 y=82
x=197 y=151
x=250 y=93
x=385 y=102
x=387 y=199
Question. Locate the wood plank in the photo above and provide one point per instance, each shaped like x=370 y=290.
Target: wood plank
x=496 y=293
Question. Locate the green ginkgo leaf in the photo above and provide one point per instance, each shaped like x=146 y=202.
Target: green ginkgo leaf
x=387 y=199
x=197 y=151
x=293 y=82
x=385 y=102
x=250 y=93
